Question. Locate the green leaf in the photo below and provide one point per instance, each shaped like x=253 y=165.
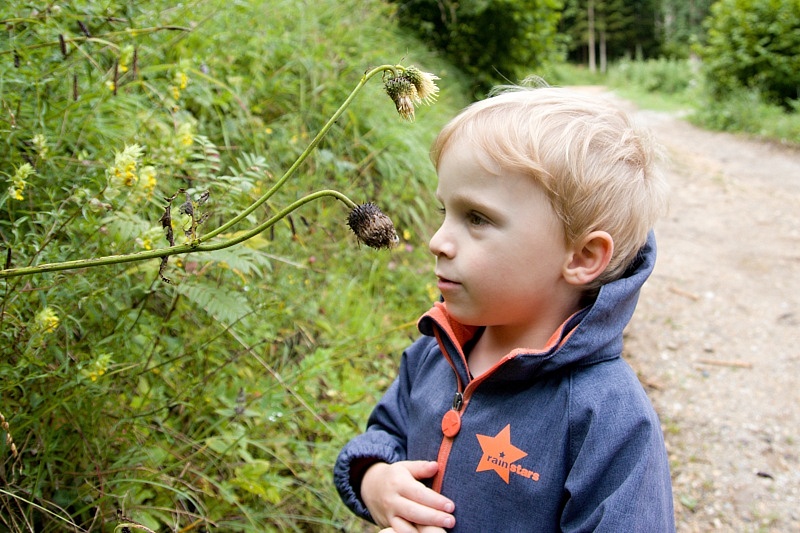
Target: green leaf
x=223 y=303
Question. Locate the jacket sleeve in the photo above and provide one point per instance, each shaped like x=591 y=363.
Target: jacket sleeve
x=383 y=441
x=618 y=472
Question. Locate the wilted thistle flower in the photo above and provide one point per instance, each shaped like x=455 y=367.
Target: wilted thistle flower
x=372 y=226
x=403 y=93
x=424 y=83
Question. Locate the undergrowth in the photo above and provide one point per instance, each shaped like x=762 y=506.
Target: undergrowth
x=222 y=400
x=673 y=85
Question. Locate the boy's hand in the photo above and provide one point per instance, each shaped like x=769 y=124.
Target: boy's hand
x=420 y=529
x=397 y=499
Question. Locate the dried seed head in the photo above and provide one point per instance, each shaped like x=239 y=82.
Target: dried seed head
x=403 y=93
x=427 y=91
x=372 y=226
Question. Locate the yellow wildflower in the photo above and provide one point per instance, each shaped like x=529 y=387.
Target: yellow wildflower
x=18 y=182
x=182 y=80
x=98 y=368
x=432 y=291
x=145 y=243
x=125 y=163
x=148 y=177
x=186 y=134
x=47 y=320
x=40 y=144
x=125 y=58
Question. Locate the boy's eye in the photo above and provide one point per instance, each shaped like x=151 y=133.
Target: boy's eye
x=475 y=219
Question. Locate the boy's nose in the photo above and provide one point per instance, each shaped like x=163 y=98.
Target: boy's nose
x=441 y=244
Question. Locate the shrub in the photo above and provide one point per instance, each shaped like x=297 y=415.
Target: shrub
x=754 y=44
x=668 y=76
x=492 y=40
x=745 y=111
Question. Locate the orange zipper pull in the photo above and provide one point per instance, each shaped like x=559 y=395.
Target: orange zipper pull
x=451 y=421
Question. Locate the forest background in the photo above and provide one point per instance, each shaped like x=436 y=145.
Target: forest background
x=220 y=400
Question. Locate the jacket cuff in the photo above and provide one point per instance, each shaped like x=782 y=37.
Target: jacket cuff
x=352 y=463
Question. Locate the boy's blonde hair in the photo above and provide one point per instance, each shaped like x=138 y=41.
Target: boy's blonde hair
x=597 y=170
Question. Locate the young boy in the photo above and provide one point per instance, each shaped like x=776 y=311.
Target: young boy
x=514 y=411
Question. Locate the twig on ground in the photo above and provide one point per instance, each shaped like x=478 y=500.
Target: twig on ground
x=687 y=294
x=719 y=362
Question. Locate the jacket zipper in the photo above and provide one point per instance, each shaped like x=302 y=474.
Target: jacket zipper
x=451 y=426
x=451 y=421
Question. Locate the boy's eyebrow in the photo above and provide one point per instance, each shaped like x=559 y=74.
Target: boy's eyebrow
x=472 y=202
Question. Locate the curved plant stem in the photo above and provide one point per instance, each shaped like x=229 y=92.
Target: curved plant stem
x=310 y=148
x=198 y=244
x=194 y=246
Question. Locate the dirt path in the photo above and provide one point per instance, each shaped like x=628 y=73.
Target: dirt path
x=716 y=337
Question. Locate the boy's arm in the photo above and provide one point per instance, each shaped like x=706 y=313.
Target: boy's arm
x=385 y=438
x=381 y=443
x=618 y=477
x=397 y=492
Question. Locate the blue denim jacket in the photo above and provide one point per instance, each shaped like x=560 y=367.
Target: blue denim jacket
x=559 y=440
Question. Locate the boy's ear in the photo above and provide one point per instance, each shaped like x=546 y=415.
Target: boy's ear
x=589 y=258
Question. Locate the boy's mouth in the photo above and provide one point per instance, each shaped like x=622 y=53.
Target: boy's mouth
x=446 y=283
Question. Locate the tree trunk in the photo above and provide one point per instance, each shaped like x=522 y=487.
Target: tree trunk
x=590 y=39
x=603 y=58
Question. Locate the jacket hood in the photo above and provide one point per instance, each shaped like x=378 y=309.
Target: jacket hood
x=590 y=336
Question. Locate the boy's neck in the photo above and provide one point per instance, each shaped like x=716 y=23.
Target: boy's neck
x=498 y=341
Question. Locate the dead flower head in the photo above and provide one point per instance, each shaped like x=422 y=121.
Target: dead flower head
x=424 y=82
x=372 y=226
x=403 y=94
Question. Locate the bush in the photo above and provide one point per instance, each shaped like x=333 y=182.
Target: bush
x=754 y=44
x=491 y=40
x=745 y=111
x=668 y=76
x=220 y=400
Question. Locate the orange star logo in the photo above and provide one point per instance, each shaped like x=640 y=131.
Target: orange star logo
x=499 y=453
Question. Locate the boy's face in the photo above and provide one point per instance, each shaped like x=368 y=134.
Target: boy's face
x=500 y=250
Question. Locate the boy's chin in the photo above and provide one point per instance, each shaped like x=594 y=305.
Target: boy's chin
x=462 y=316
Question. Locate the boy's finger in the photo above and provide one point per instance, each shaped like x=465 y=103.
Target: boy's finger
x=426 y=497
x=400 y=525
x=423 y=514
x=422 y=469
